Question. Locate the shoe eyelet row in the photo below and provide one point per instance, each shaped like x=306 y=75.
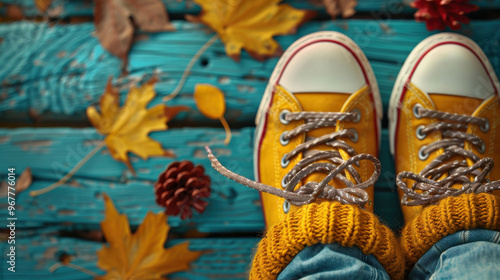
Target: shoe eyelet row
x=486 y=127
x=421 y=155
x=283 y=184
x=358 y=115
x=420 y=135
x=482 y=148
x=282 y=116
x=415 y=110
x=355 y=137
x=284 y=162
x=286 y=207
x=284 y=141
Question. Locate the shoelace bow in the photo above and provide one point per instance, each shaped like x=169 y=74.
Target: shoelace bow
x=427 y=188
x=336 y=167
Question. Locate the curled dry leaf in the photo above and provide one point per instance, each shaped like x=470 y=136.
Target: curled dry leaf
x=212 y=104
x=126 y=129
x=43 y=5
x=115 y=29
x=24 y=180
x=22 y=183
x=250 y=25
x=14 y=12
x=140 y=255
x=346 y=8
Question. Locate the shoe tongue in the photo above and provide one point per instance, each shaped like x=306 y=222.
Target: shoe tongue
x=320 y=102
x=462 y=105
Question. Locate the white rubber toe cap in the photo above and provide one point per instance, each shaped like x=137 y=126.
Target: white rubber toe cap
x=323 y=67
x=453 y=69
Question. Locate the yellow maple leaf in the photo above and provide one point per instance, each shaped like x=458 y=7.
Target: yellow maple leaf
x=250 y=25
x=127 y=128
x=139 y=256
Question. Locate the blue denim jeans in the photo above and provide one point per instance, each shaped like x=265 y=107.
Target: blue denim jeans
x=468 y=254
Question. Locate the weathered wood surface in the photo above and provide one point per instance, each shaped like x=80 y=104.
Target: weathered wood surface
x=54 y=73
x=226 y=258
x=176 y=8
x=52 y=152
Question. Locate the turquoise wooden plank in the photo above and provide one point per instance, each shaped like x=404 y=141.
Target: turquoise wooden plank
x=225 y=258
x=55 y=73
x=176 y=8
x=52 y=152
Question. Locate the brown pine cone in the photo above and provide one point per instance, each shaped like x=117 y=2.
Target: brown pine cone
x=181 y=187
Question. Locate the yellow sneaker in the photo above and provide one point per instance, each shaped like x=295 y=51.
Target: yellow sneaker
x=317 y=137
x=322 y=102
x=443 y=118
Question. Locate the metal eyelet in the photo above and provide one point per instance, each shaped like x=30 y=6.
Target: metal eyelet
x=283 y=113
x=284 y=162
x=286 y=207
x=420 y=135
x=284 y=141
x=482 y=148
x=421 y=155
x=355 y=137
x=486 y=127
x=283 y=184
x=415 y=110
x=358 y=115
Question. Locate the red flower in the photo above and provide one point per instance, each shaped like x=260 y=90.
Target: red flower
x=437 y=14
x=182 y=187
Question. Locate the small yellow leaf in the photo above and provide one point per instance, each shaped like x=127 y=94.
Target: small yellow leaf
x=127 y=128
x=212 y=104
x=141 y=255
x=250 y=25
x=210 y=101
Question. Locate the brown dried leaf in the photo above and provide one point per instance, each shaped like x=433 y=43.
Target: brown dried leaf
x=337 y=7
x=115 y=29
x=24 y=180
x=14 y=12
x=22 y=183
x=43 y=5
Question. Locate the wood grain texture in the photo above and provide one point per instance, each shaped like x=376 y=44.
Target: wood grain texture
x=177 y=8
x=55 y=73
x=52 y=152
x=224 y=259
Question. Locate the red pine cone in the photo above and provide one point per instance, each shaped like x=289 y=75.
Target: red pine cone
x=181 y=187
x=437 y=14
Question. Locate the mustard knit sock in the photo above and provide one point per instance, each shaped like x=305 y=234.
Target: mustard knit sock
x=326 y=222
x=450 y=215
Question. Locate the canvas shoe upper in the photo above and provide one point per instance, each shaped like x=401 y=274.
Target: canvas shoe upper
x=444 y=114
x=322 y=89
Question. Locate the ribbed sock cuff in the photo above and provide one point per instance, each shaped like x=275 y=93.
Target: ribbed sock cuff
x=450 y=215
x=326 y=222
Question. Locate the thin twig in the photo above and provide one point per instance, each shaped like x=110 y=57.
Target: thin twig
x=75 y=267
x=190 y=65
x=71 y=173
